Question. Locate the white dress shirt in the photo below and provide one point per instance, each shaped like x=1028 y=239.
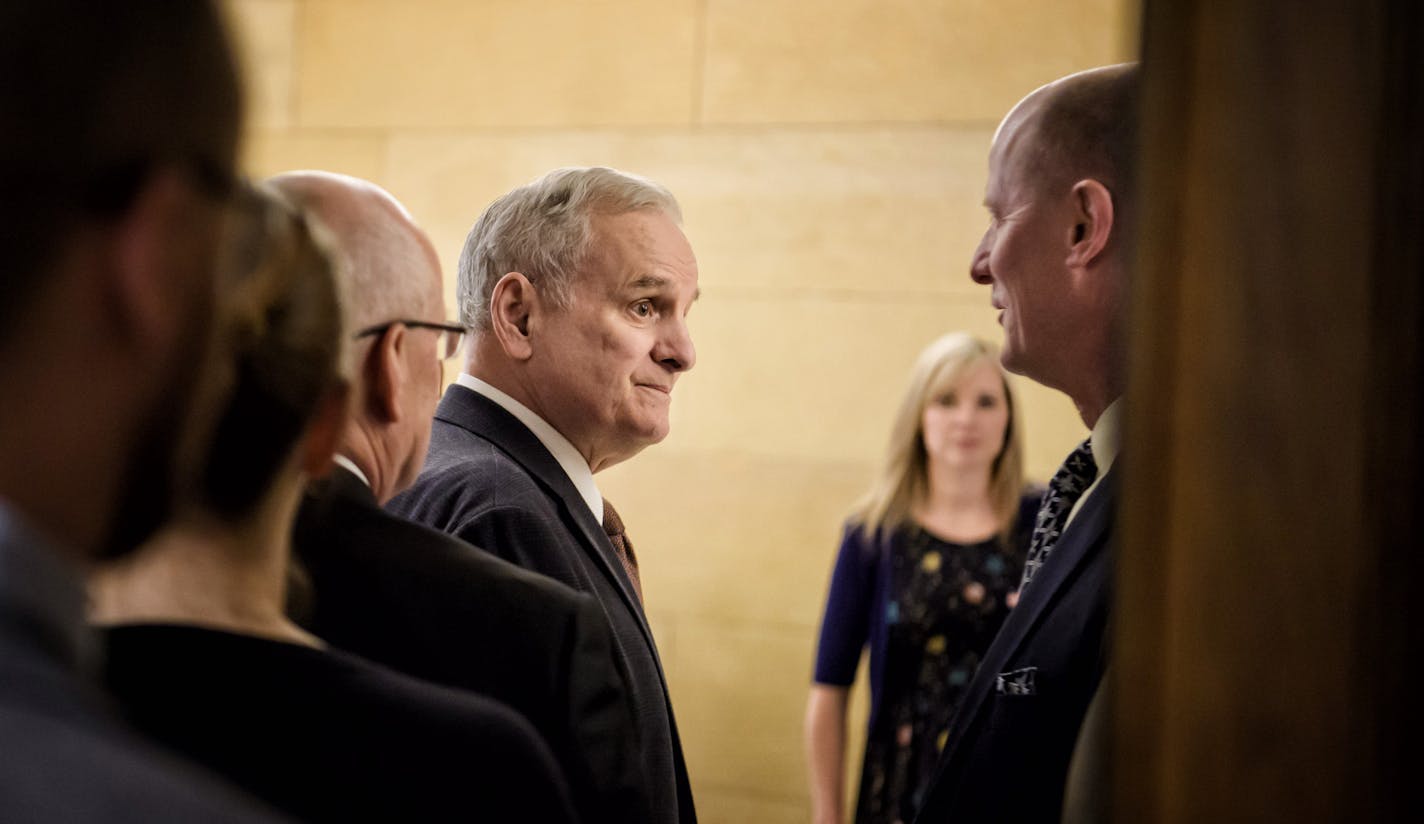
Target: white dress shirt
x=1105 y=437
x=564 y=452
x=350 y=466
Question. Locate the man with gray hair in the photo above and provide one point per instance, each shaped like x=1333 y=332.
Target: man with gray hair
x=576 y=288
x=411 y=597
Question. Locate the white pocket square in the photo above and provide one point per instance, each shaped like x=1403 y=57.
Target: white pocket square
x=1017 y=682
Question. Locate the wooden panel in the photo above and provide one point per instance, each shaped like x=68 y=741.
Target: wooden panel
x=1253 y=673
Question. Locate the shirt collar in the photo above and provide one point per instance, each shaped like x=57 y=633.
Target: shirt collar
x=350 y=466
x=1107 y=436
x=564 y=452
x=1105 y=446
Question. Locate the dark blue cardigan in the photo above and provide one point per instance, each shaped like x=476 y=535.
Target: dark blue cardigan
x=860 y=591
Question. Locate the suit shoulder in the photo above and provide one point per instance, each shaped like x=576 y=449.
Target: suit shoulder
x=447 y=561
x=477 y=475
x=71 y=772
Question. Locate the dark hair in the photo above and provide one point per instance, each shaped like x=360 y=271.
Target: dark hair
x=284 y=326
x=97 y=96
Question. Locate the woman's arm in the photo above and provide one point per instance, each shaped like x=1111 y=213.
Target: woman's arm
x=825 y=751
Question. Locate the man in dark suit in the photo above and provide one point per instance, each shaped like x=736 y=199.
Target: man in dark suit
x=576 y=289
x=116 y=159
x=417 y=599
x=1057 y=255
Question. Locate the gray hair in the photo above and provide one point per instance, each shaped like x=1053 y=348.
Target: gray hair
x=543 y=230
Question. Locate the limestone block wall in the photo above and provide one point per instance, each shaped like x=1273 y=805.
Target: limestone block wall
x=829 y=156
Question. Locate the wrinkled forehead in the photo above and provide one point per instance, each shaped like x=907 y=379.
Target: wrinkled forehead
x=643 y=239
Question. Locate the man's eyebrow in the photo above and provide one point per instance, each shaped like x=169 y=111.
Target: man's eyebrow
x=656 y=282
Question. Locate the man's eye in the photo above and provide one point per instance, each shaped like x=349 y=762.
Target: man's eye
x=643 y=309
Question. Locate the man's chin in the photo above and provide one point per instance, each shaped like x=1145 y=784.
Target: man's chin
x=645 y=439
x=1012 y=360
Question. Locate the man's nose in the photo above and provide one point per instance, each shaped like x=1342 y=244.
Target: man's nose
x=675 y=349
x=979 y=264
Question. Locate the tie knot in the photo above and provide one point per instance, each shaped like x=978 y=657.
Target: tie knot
x=1064 y=489
x=612 y=524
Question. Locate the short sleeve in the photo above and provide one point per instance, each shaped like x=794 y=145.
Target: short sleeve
x=845 y=625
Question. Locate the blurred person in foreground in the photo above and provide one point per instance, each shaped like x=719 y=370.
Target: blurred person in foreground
x=416 y=599
x=1058 y=258
x=928 y=570
x=576 y=289
x=118 y=136
x=201 y=654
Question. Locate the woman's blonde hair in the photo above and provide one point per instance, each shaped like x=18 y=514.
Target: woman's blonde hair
x=283 y=320
x=902 y=482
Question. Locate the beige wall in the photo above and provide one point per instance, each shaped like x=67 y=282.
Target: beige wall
x=830 y=159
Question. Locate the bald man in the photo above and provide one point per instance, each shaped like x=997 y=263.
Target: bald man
x=419 y=600
x=1057 y=258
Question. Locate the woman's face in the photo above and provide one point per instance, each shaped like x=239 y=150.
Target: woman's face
x=964 y=425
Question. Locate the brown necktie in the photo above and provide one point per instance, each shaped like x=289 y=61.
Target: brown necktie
x=622 y=547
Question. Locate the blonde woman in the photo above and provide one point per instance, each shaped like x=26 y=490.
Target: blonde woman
x=928 y=569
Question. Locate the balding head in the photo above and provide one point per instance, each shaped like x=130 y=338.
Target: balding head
x=390 y=273
x=1057 y=251
x=1079 y=126
x=389 y=265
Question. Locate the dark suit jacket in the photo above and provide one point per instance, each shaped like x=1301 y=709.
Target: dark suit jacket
x=330 y=737
x=488 y=480
x=1006 y=757
x=63 y=755
x=431 y=606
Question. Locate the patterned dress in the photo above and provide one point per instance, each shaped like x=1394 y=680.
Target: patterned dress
x=946 y=602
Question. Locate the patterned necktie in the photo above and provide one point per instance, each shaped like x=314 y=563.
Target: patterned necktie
x=622 y=547
x=1064 y=490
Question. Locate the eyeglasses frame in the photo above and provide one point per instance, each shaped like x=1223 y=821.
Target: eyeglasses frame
x=454 y=328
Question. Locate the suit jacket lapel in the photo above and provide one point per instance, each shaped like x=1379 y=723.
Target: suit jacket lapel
x=483 y=417
x=1068 y=556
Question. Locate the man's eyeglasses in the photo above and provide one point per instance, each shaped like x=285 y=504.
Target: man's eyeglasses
x=452 y=335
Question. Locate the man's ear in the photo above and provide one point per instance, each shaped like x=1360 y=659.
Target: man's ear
x=143 y=239
x=1092 y=222
x=324 y=431
x=513 y=302
x=384 y=373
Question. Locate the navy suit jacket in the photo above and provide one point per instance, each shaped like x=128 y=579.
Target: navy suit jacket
x=429 y=605
x=489 y=481
x=1009 y=745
